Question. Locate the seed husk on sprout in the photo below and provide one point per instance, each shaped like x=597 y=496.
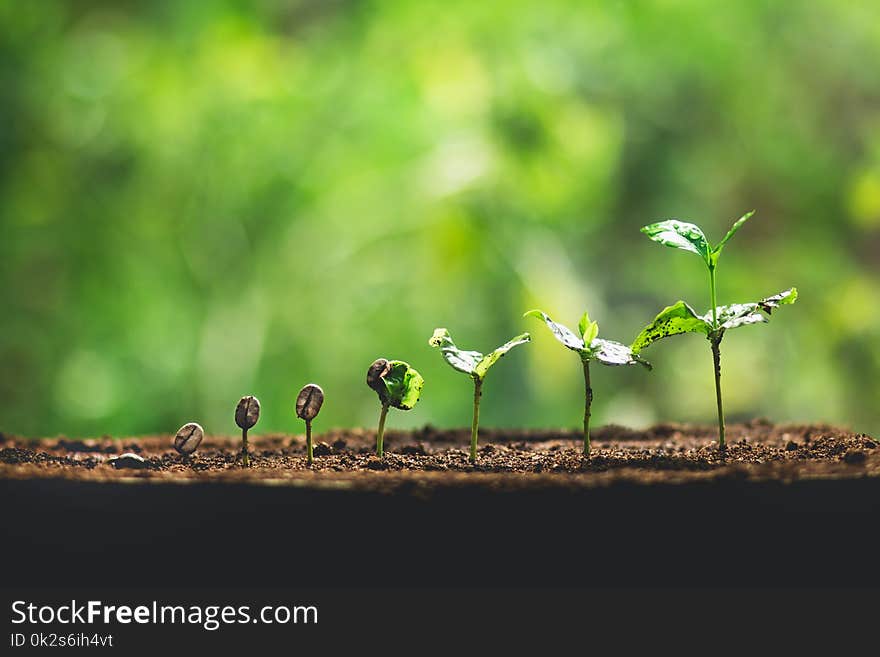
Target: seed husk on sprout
x=246 y=415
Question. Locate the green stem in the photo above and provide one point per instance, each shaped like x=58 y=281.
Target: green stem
x=245 y=458
x=716 y=357
x=475 y=426
x=309 y=453
x=380 y=435
x=588 y=403
x=712 y=298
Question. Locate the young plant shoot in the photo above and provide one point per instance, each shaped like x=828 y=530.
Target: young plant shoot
x=246 y=415
x=308 y=404
x=681 y=318
x=475 y=364
x=398 y=385
x=589 y=347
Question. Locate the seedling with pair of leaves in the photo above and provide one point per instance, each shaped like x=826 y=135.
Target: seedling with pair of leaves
x=681 y=318
x=398 y=386
x=308 y=404
x=589 y=347
x=475 y=364
x=246 y=415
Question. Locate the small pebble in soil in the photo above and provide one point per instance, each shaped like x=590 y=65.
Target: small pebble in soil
x=322 y=449
x=127 y=460
x=855 y=457
x=339 y=445
x=791 y=446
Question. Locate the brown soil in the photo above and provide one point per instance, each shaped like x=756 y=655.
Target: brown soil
x=784 y=505
x=668 y=453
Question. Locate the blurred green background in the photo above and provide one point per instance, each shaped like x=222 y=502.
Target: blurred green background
x=205 y=200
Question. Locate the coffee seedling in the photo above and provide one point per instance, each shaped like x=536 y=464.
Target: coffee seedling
x=589 y=347
x=188 y=438
x=398 y=385
x=246 y=415
x=681 y=318
x=308 y=405
x=475 y=364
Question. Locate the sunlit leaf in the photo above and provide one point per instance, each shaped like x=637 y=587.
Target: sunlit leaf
x=769 y=304
x=673 y=320
x=680 y=235
x=736 y=226
x=562 y=333
x=609 y=352
x=459 y=359
x=403 y=385
x=490 y=359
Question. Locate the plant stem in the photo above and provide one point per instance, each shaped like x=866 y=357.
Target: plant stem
x=475 y=426
x=380 y=435
x=588 y=403
x=310 y=453
x=712 y=298
x=716 y=357
x=245 y=459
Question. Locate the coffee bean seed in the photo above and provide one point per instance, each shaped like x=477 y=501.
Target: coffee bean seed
x=309 y=402
x=188 y=438
x=377 y=371
x=247 y=412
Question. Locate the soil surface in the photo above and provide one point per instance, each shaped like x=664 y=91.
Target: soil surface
x=784 y=505
x=667 y=453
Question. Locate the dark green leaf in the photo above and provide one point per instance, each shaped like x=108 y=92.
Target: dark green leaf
x=679 y=235
x=403 y=385
x=463 y=361
x=673 y=320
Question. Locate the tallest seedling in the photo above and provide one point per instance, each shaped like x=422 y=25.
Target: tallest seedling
x=681 y=318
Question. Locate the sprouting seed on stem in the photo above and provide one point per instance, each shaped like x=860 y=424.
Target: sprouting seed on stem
x=476 y=365
x=681 y=318
x=188 y=438
x=589 y=347
x=398 y=385
x=246 y=415
x=308 y=405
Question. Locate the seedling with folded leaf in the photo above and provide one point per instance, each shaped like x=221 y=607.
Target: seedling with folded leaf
x=475 y=364
x=589 y=347
x=681 y=318
x=398 y=385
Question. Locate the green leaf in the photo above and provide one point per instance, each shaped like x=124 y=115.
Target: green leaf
x=673 y=320
x=490 y=359
x=609 y=352
x=680 y=235
x=736 y=226
x=463 y=361
x=745 y=314
x=403 y=385
x=562 y=333
x=583 y=324
x=785 y=298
